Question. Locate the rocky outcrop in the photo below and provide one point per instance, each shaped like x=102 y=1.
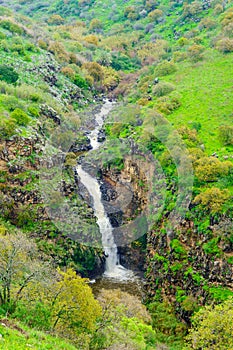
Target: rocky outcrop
x=192 y=266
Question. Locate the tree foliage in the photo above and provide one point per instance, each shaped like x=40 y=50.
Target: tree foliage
x=213 y=199
x=212 y=328
x=8 y=74
x=18 y=266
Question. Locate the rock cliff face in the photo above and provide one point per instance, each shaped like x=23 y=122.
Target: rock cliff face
x=186 y=266
x=187 y=270
x=124 y=199
x=21 y=201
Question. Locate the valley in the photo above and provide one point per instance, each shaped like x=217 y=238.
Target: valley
x=116 y=171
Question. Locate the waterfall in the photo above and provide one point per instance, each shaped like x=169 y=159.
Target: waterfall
x=112 y=266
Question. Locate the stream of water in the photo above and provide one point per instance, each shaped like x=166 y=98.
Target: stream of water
x=113 y=269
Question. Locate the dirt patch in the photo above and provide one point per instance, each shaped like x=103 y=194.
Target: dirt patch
x=8 y=323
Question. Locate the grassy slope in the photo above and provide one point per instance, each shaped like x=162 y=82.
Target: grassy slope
x=19 y=337
x=206 y=97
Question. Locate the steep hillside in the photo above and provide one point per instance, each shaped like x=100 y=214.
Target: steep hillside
x=169 y=67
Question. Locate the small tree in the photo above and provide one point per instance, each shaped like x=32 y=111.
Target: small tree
x=195 y=52
x=96 y=24
x=55 y=20
x=74 y=308
x=8 y=74
x=225 y=45
x=155 y=15
x=226 y=134
x=212 y=328
x=212 y=199
x=18 y=266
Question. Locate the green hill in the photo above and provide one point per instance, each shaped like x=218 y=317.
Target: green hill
x=169 y=66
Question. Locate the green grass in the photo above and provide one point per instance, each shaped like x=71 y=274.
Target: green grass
x=18 y=337
x=206 y=97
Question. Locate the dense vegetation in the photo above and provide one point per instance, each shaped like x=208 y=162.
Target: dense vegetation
x=169 y=64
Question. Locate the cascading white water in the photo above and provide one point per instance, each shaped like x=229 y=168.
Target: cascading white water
x=112 y=267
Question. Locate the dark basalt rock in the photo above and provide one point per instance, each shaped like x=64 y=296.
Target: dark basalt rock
x=50 y=113
x=101 y=136
x=83 y=146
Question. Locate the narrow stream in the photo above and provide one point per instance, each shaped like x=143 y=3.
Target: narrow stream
x=113 y=269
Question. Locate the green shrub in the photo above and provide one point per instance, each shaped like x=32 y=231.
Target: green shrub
x=20 y=116
x=163 y=89
x=165 y=68
x=36 y=315
x=12 y=27
x=212 y=328
x=34 y=111
x=211 y=247
x=80 y=82
x=7 y=127
x=8 y=74
x=226 y=134
x=2 y=36
x=225 y=45
x=178 y=248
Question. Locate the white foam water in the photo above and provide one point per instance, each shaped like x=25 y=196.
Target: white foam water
x=113 y=269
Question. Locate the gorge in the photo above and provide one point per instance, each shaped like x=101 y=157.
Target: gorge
x=124 y=108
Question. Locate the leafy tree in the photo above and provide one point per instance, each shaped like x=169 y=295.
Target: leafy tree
x=195 y=52
x=213 y=198
x=95 y=70
x=165 y=323
x=124 y=323
x=8 y=74
x=111 y=78
x=74 y=308
x=18 y=266
x=55 y=20
x=225 y=45
x=155 y=15
x=210 y=168
x=212 y=328
x=96 y=24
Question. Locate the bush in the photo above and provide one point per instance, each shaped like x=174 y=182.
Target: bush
x=212 y=328
x=163 y=89
x=7 y=127
x=96 y=24
x=34 y=111
x=91 y=39
x=12 y=27
x=123 y=62
x=168 y=104
x=55 y=20
x=59 y=51
x=80 y=82
x=95 y=70
x=195 y=52
x=213 y=199
x=165 y=68
x=155 y=15
x=226 y=134
x=20 y=116
x=209 y=169
x=8 y=74
x=225 y=45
